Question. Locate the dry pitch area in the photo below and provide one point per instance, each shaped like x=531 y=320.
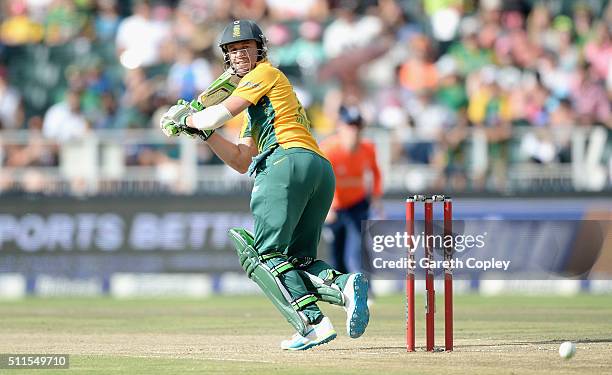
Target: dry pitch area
x=494 y=335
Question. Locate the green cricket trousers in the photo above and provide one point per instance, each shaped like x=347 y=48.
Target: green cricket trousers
x=292 y=194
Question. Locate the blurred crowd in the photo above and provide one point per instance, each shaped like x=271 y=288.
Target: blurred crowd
x=523 y=74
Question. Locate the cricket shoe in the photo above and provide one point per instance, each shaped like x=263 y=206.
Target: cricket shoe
x=317 y=334
x=356 y=305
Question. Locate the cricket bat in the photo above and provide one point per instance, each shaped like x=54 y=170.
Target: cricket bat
x=217 y=92
x=220 y=89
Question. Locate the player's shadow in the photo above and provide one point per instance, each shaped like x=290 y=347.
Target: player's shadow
x=546 y=342
x=489 y=345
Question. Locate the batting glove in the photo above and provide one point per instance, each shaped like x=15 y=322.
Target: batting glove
x=173 y=122
x=170 y=122
x=169 y=128
x=178 y=113
x=196 y=106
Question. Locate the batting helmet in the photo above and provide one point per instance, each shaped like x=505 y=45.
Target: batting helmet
x=242 y=30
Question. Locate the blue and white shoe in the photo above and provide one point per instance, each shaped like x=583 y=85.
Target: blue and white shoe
x=356 y=305
x=318 y=334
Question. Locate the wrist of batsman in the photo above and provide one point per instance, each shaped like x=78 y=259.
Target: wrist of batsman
x=193 y=132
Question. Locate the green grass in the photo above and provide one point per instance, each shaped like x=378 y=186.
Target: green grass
x=501 y=335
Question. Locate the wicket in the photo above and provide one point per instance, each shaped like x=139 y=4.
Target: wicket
x=430 y=300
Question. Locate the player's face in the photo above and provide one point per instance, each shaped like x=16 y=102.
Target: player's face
x=243 y=56
x=351 y=134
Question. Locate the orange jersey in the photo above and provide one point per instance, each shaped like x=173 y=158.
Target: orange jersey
x=351 y=169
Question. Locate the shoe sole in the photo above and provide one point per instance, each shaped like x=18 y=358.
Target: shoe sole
x=313 y=344
x=360 y=316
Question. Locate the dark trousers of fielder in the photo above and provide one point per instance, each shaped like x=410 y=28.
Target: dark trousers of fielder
x=347 y=254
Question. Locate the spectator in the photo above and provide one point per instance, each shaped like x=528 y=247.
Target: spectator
x=96 y=82
x=488 y=105
x=18 y=28
x=562 y=124
x=598 y=51
x=349 y=31
x=282 y=10
x=583 y=20
x=539 y=28
x=253 y=9
x=419 y=72
x=135 y=103
x=450 y=92
x=591 y=102
x=64 y=121
x=38 y=152
x=467 y=52
x=26 y=160
x=106 y=21
x=185 y=30
x=308 y=49
x=106 y=115
x=444 y=18
x=11 y=110
x=557 y=80
x=567 y=52
x=139 y=37
x=431 y=120
x=489 y=111
x=189 y=75
x=63 y=22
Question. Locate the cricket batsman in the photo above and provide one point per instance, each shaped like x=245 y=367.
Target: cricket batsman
x=293 y=190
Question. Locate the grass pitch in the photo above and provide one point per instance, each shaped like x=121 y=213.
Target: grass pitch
x=493 y=335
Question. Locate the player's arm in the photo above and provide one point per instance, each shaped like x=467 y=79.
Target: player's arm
x=249 y=91
x=238 y=156
x=215 y=116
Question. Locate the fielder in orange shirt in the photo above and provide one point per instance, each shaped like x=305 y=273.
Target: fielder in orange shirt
x=353 y=160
